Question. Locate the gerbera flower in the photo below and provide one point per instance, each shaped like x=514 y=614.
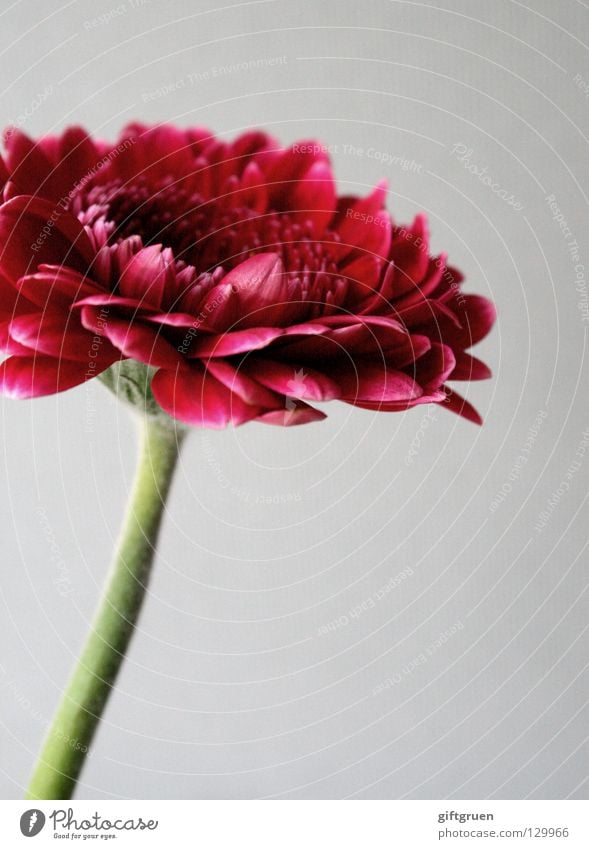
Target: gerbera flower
x=230 y=274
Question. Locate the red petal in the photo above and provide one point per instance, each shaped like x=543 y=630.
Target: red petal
x=294 y=413
x=52 y=285
x=196 y=397
x=152 y=152
x=238 y=342
x=289 y=167
x=7 y=344
x=429 y=313
x=107 y=300
x=290 y=381
x=22 y=223
x=410 y=254
x=171 y=319
x=365 y=224
x=261 y=292
x=31 y=377
x=459 y=405
x=133 y=339
x=149 y=276
x=314 y=197
x=363 y=335
x=30 y=168
x=253 y=191
x=469 y=368
x=252 y=339
x=370 y=381
x=52 y=166
x=60 y=335
x=366 y=271
x=477 y=316
x=400 y=406
x=248 y=389
x=433 y=368
x=251 y=144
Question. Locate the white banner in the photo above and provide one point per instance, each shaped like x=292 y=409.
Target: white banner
x=297 y=824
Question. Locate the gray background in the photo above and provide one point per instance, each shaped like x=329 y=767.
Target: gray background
x=232 y=688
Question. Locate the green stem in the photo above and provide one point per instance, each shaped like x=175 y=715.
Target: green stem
x=90 y=686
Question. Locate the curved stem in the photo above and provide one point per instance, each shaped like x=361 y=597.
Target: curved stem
x=89 y=688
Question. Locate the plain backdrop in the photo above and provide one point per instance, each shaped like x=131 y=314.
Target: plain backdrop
x=379 y=605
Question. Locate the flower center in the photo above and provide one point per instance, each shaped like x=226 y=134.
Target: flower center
x=209 y=234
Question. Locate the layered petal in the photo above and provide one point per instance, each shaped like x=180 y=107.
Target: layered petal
x=34 y=232
x=195 y=396
x=32 y=377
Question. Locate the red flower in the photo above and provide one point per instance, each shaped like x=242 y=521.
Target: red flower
x=233 y=270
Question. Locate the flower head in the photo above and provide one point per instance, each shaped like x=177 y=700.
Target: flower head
x=230 y=273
